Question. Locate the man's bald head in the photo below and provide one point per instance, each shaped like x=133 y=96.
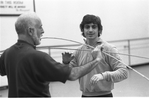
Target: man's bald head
x=25 y=21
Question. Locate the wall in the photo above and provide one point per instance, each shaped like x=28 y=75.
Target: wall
x=8 y=36
x=121 y=19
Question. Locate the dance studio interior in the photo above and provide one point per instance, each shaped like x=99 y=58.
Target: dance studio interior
x=125 y=25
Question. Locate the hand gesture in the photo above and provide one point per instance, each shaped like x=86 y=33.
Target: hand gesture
x=96 y=53
x=95 y=78
x=67 y=57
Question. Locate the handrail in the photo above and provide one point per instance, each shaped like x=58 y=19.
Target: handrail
x=128 y=46
x=69 y=45
x=128 y=39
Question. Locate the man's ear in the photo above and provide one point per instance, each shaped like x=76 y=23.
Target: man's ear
x=30 y=31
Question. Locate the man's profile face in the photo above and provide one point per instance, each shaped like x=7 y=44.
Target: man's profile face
x=38 y=32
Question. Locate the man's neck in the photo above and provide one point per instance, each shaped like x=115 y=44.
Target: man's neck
x=92 y=42
x=26 y=39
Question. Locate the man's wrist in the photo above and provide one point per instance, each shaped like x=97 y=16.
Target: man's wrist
x=65 y=62
x=102 y=75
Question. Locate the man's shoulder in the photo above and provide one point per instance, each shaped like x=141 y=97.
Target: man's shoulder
x=108 y=46
x=37 y=53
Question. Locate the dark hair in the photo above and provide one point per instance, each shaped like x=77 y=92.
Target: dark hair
x=87 y=19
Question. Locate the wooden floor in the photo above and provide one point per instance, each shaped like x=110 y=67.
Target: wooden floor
x=135 y=85
x=4 y=93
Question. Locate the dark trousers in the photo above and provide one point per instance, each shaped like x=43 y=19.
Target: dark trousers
x=107 y=95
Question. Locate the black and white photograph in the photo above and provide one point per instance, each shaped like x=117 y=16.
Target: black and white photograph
x=74 y=48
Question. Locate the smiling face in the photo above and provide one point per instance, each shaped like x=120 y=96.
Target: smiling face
x=93 y=26
x=91 y=31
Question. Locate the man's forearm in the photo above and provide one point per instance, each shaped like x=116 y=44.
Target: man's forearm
x=117 y=75
x=80 y=71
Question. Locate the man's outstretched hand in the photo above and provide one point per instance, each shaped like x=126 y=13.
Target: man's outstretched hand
x=67 y=57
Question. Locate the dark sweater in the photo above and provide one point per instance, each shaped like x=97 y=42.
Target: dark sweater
x=29 y=71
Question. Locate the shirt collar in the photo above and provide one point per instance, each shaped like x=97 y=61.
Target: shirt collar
x=99 y=41
x=22 y=41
